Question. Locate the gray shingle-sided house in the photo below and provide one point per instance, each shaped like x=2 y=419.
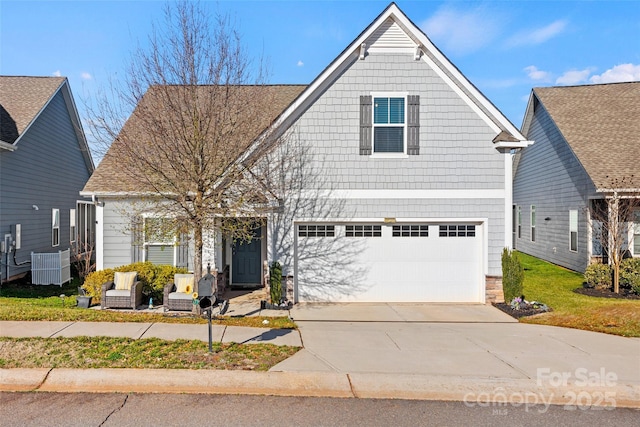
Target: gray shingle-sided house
x=44 y=163
x=407 y=195
x=586 y=141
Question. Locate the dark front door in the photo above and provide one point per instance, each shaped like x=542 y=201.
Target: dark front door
x=247 y=258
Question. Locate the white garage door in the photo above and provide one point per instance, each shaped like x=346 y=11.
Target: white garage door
x=368 y=262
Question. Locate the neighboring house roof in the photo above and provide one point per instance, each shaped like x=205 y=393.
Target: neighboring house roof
x=601 y=124
x=108 y=178
x=22 y=99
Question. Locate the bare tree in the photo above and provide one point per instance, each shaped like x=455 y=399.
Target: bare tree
x=611 y=221
x=199 y=103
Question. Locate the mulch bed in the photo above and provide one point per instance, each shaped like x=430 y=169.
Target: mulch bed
x=528 y=310
x=593 y=292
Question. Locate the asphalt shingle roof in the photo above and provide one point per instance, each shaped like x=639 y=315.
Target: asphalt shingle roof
x=21 y=99
x=601 y=124
x=108 y=179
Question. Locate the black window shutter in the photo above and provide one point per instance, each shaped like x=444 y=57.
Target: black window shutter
x=365 y=125
x=413 y=125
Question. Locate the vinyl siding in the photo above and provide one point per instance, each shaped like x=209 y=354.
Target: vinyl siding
x=47 y=170
x=550 y=177
x=456 y=153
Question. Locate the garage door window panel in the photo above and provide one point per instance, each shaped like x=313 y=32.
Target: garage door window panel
x=457 y=231
x=316 y=231
x=363 y=230
x=410 y=230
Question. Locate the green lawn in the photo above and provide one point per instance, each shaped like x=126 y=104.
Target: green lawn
x=554 y=286
x=31 y=302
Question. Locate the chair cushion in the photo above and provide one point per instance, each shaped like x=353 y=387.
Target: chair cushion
x=124 y=281
x=184 y=283
x=179 y=295
x=119 y=293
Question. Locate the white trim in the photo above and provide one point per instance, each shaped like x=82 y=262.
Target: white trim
x=7 y=146
x=508 y=144
x=508 y=201
x=577 y=229
x=99 y=237
x=407 y=194
x=389 y=95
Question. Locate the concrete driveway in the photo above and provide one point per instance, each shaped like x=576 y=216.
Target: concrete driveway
x=462 y=341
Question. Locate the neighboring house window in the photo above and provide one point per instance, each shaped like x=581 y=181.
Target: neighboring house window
x=573 y=230
x=55 y=227
x=72 y=225
x=519 y=222
x=363 y=230
x=390 y=124
x=533 y=223
x=85 y=220
x=316 y=230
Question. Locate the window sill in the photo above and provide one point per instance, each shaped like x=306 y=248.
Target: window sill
x=389 y=156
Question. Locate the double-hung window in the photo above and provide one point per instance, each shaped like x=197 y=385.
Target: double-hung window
x=533 y=223
x=636 y=234
x=159 y=240
x=55 y=227
x=72 y=225
x=388 y=124
x=573 y=230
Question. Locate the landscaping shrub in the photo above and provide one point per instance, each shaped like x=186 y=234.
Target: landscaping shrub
x=275 y=279
x=512 y=275
x=598 y=276
x=630 y=274
x=153 y=278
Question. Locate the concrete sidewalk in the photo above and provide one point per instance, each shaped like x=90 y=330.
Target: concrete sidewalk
x=166 y=331
x=468 y=353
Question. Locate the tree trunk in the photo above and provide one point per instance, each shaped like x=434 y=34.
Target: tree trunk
x=616 y=276
x=197 y=258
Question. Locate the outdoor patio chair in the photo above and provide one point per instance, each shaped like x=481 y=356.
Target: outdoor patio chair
x=178 y=295
x=124 y=292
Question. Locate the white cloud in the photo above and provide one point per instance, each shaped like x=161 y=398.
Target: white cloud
x=460 y=31
x=56 y=73
x=86 y=76
x=574 y=77
x=537 y=36
x=538 y=75
x=300 y=63
x=619 y=73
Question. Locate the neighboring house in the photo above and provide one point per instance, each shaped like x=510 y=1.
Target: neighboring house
x=587 y=139
x=44 y=163
x=406 y=194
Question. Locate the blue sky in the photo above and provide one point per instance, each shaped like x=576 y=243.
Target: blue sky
x=504 y=47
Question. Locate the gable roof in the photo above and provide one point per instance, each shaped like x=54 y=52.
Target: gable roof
x=108 y=178
x=23 y=98
x=601 y=124
x=392 y=29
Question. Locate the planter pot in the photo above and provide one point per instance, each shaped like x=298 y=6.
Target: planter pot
x=264 y=305
x=83 y=301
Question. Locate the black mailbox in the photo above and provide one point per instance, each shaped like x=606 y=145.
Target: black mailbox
x=205 y=285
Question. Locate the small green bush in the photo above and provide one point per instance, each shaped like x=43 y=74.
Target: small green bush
x=512 y=275
x=630 y=274
x=598 y=276
x=153 y=278
x=275 y=280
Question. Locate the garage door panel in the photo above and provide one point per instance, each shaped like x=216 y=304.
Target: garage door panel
x=390 y=269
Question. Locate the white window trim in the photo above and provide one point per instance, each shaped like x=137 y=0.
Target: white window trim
x=571 y=231
x=635 y=233
x=375 y=155
x=519 y=227
x=55 y=212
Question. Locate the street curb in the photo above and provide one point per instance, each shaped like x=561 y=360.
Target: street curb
x=493 y=392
